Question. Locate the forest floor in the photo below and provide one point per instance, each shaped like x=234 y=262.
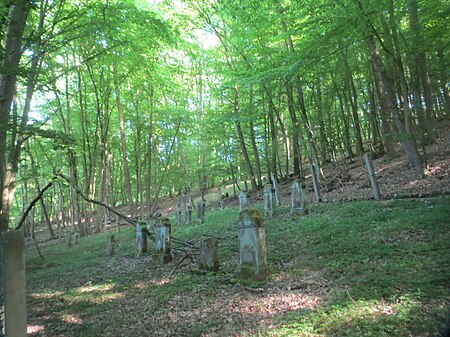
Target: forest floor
x=360 y=268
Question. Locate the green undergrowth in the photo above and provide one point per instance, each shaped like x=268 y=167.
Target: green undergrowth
x=384 y=270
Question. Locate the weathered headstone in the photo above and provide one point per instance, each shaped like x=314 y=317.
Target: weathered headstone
x=163 y=241
x=316 y=184
x=13 y=316
x=201 y=211
x=275 y=190
x=187 y=215
x=219 y=191
x=209 y=258
x=243 y=201
x=252 y=245
x=110 y=249
x=177 y=215
x=298 y=197
x=141 y=239
x=269 y=200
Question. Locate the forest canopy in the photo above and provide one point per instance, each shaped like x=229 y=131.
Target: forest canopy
x=138 y=100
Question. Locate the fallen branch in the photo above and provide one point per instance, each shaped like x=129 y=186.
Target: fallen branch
x=120 y=215
x=35 y=200
x=178 y=265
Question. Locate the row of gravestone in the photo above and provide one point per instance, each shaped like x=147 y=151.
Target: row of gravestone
x=183 y=212
x=271 y=201
x=252 y=245
x=183 y=209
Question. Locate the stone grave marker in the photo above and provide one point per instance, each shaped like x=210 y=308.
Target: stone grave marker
x=141 y=239
x=298 y=196
x=252 y=245
x=177 y=215
x=269 y=200
x=209 y=258
x=163 y=241
x=201 y=211
x=187 y=215
x=372 y=177
x=243 y=201
x=13 y=309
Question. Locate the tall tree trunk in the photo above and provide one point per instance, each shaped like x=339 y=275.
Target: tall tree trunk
x=126 y=170
x=295 y=130
x=242 y=139
x=386 y=88
x=428 y=120
x=11 y=55
x=253 y=141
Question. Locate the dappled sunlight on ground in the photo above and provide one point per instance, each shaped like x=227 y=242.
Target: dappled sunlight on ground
x=71 y=319
x=95 y=287
x=32 y=329
x=148 y=283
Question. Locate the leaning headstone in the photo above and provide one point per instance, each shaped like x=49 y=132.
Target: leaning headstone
x=269 y=200
x=13 y=315
x=243 y=201
x=252 y=245
x=209 y=258
x=372 y=177
x=275 y=190
x=162 y=241
x=201 y=211
x=298 y=197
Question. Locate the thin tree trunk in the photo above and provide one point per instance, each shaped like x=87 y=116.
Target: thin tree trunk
x=242 y=140
x=126 y=170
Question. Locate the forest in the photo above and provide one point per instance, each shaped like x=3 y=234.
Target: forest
x=133 y=104
x=140 y=100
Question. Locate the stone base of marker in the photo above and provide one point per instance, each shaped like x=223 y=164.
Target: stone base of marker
x=163 y=241
x=13 y=318
x=252 y=245
x=209 y=258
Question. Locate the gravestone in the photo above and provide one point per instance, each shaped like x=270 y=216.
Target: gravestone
x=243 y=201
x=315 y=180
x=13 y=316
x=177 y=215
x=141 y=239
x=269 y=200
x=275 y=190
x=110 y=249
x=201 y=211
x=252 y=245
x=209 y=258
x=187 y=215
x=298 y=197
x=162 y=241
x=372 y=177
x=219 y=191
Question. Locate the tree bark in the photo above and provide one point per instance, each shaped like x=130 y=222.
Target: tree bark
x=18 y=12
x=242 y=139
